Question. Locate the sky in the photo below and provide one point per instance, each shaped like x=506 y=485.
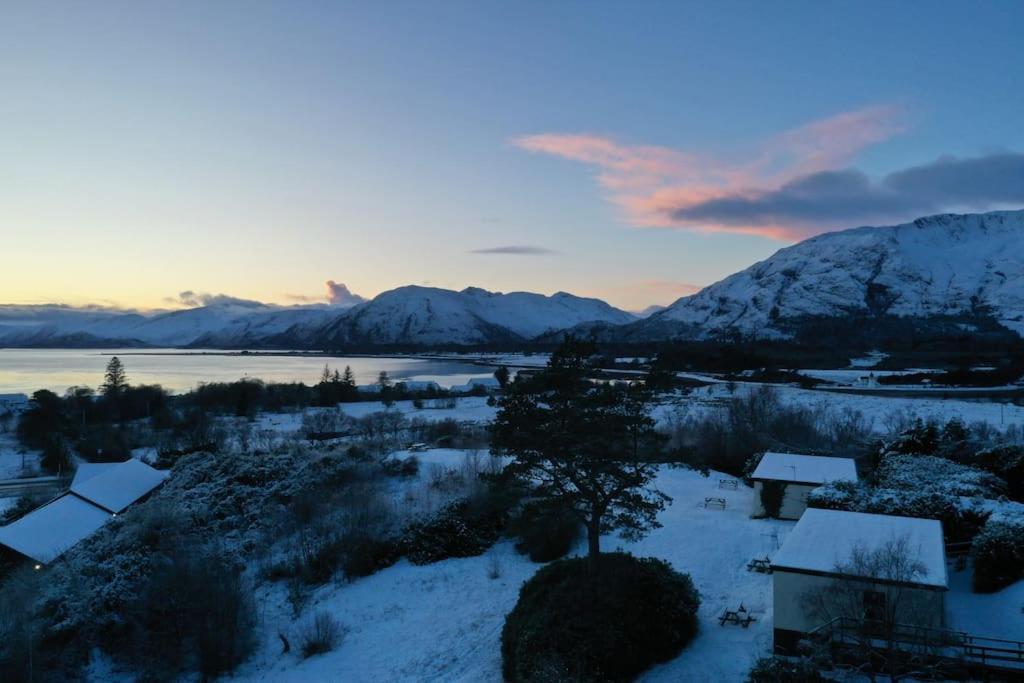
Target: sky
x=157 y=155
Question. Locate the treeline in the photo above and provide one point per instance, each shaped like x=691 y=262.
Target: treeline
x=106 y=425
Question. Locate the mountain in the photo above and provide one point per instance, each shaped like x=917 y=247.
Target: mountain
x=948 y=265
x=432 y=316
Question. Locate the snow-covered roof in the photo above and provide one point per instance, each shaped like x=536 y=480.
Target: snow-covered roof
x=88 y=470
x=117 y=487
x=490 y=382
x=824 y=539
x=805 y=469
x=46 y=532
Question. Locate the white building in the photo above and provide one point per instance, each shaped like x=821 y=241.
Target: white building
x=817 y=554
x=98 y=492
x=798 y=475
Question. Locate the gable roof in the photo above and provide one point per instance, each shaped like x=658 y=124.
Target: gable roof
x=117 y=487
x=823 y=539
x=88 y=470
x=46 y=532
x=805 y=469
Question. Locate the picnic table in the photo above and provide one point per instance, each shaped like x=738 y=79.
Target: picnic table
x=740 y=617
x=712 y=502
x=760 y=564
x=727 y=484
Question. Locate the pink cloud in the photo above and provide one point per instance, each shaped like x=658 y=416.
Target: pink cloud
x=652 y=186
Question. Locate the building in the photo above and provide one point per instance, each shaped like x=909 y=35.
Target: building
x=13 y=403
x=98 y=492
x=797 y=475
x=816 y=558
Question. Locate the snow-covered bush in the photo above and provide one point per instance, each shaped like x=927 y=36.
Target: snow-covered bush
x=960 y=518
x=999 y=552
x=463 y=528
x=785 y=670
x=932 y=473
x=1005 y=461
x=574 y=622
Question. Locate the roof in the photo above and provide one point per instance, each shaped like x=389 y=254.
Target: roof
x=88 y=470
x=823 y=539
x=117 y=487
x=46 y=532
x=805 y=469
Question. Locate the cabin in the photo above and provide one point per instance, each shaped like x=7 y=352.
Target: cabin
x=98 y=492
x=796 y=475
x=815 y=559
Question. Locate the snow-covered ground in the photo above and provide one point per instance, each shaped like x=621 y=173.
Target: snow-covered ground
x=15 y=461
x=442 y=622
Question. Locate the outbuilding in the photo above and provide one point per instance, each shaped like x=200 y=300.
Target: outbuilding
x=790 y=477
x=867 y=567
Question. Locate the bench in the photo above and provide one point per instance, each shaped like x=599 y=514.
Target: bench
x=714 y=503
x=727 y=484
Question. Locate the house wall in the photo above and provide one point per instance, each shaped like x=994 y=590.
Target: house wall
x=922 y=606
x=794 y=501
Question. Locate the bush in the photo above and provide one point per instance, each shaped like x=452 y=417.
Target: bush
x=365 y=555
x=321 y=634
x=999 y=553
x=772 y=493
x=545 y=533
x=463 y=528
x=780 y=670
x=607 y=625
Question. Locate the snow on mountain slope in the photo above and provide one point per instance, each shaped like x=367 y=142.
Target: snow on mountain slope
x=941 y=265
x=427 y=315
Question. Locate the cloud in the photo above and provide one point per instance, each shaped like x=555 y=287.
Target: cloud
x=673 y=287
x=340 y=295
x=195 y=299
x=521 y=250
x=653 y=186
x=808 y=203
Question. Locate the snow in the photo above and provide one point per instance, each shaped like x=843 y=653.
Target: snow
x=988 y=615
x=806 y=469
x=824 y=538
x=88 y=470
x=45 y=533
x=442 y=622
x=941 y=265
x=15 y=460
x=115 y=488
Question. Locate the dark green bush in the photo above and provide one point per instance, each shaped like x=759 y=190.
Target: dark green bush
x=782 y=670
x=545 y=533
x=606 y=624
x=998 y=554
x=464 y=528
x=772 y=493
x=365 y=555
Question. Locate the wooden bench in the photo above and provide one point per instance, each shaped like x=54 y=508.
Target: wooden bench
x=760 y=564
x=711 y=502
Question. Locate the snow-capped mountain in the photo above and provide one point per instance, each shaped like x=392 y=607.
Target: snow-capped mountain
x=432 y=316
x=946 y=265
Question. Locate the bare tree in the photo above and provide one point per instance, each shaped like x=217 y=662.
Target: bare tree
x=886 y=620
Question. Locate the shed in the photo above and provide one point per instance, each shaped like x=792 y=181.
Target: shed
x=817 y=553
x=115 y=486
x=45 y=533
x=798 y=475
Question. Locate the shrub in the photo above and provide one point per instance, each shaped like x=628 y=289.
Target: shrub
x=781 y=670
x=396 y=467
x=364 y=555
x=545 y=533
x=321 y=634
x=609 y=624
x=929 y=472
x=463 y=528
x=999 y=553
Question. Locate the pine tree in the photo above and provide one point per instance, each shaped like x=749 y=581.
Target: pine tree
x=115 y=381
x=325 y=376
x=349 y=378
x=502 y=375
x=589 y=448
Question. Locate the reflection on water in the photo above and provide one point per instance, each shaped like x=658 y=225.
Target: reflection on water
x=26 y=370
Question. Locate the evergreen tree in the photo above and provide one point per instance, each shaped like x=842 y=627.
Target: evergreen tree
x=115 y=381
x=349 y=378
x=502 y=375
x=383 y=380
x=589 y=449
x=325 y=376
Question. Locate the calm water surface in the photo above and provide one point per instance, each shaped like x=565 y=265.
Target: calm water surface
x=26 y=370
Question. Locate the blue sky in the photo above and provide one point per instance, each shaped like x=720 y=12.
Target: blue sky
x=643 y=149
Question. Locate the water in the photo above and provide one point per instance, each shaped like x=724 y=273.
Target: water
x=27 y=370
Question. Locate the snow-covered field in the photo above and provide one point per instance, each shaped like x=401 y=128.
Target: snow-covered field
x=442 y=622
x=15 y=462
